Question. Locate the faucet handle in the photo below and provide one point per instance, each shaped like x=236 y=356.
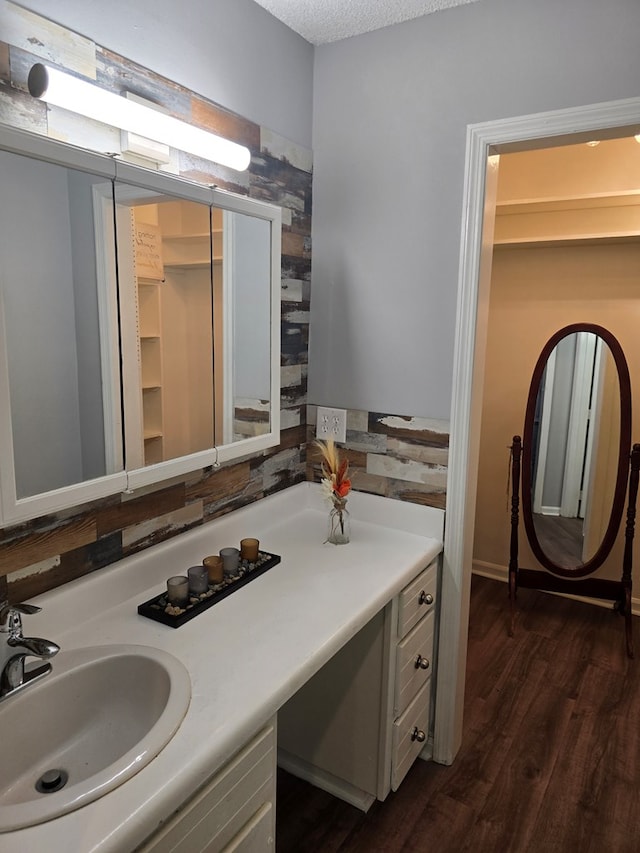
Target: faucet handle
x=10 y=615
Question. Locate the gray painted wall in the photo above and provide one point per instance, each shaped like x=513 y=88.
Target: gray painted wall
x=230 y=51
x=391 y=110
x=38 y=295
x=251 y=307
x=87 y=324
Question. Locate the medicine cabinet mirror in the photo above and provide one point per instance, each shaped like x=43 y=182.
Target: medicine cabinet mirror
x=140 y=326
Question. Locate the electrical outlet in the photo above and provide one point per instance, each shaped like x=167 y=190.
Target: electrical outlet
x=331 y=423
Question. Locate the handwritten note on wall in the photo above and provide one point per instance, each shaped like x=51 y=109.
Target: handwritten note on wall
x=148 y=245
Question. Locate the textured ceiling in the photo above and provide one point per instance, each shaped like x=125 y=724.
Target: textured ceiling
x=322 y=21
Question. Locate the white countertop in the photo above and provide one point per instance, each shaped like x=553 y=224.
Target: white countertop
x=246 y=655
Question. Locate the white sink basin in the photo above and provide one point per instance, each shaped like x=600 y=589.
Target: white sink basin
x=97 y=719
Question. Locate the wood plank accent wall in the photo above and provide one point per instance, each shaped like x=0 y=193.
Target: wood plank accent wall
x=395 y=456
x=49 y=551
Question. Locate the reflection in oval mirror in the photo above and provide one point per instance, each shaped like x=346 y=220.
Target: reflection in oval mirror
x=576 y=435
x=575 y=449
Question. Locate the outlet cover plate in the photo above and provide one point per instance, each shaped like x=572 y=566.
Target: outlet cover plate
x=331 y=423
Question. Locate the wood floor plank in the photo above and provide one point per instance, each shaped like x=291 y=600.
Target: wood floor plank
x=440 y=811
x=514 y=802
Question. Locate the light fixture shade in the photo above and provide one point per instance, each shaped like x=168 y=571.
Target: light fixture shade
x=62 y=90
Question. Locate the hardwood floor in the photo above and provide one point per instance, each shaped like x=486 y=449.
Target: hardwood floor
x=560 y=539
x=550 y=761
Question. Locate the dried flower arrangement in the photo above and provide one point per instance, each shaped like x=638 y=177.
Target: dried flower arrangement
x=336 y=485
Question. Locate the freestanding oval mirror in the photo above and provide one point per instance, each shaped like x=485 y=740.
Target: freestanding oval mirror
x=577 y=438
x=574 y=465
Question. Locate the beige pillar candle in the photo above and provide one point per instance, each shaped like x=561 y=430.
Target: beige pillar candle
x=249 y=549
x=214 y=567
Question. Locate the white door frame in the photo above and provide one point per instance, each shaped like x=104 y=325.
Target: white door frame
x=576 y=456
x=228 y=313
x=545 y=422
x=580 y=123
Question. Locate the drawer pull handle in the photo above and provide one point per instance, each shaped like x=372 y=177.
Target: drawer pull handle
x=422 y=663
x=425 y=598
x=418 y=735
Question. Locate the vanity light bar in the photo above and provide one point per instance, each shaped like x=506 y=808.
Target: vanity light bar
x=62 y=90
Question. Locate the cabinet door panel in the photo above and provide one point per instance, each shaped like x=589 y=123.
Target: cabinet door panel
x=256 y=837
x=406 y=746
x=213 y=817
x=418 y=599
x=414 y=662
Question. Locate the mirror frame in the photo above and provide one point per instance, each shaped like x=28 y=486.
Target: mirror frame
x=14 y=510
x=624 y=449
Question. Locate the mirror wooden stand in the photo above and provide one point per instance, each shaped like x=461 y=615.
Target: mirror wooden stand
x=619 y=592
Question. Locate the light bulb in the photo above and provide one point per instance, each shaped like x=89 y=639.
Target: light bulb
x=62 y=90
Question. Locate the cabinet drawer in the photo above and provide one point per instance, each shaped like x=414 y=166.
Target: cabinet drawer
x=256 y=836
x=417 y=599
x=220 y=810
x=405 y=747
x=414 y=659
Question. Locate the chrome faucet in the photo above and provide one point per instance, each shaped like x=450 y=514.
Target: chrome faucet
x=14 y=648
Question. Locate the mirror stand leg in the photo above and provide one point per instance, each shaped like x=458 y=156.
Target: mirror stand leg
x=512 y=601
x=628 y=623
x=627 y=559
x=515 y=452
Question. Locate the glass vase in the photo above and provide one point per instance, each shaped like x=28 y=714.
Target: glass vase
x=339 y=530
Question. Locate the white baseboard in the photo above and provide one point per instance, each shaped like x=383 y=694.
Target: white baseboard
x=496 y=572
x=427 y=750
x=325 y=781
x=493 y=571
x=553 y=511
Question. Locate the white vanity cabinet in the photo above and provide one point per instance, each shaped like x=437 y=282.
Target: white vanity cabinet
x=234 y=812
x=357 y=726
x=335 y=644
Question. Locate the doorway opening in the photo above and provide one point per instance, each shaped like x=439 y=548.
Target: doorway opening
x=601 y=121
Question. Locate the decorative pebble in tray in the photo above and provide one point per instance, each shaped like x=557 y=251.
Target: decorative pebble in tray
x=159 y=609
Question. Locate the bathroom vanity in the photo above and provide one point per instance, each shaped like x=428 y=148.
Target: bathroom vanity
x=327 y=658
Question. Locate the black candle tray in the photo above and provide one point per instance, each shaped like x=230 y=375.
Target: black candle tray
x=155 y=608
